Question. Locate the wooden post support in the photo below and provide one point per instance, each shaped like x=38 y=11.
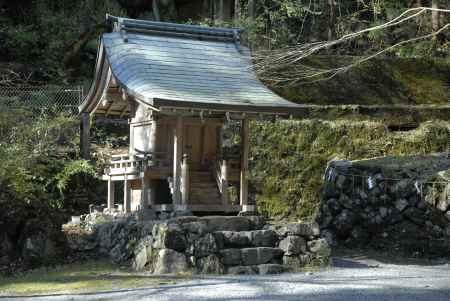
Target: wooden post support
x=151 y=192
x=144 y=193
x=85 y=136
x=185 y=180
x=244 y=162
x=126 y=195
x=152 y=138
x=111 y=191
x=224 y=175
x=177 y=157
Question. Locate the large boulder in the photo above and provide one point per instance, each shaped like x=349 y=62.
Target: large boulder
x=293 y=245
x=263 y=238
x=270 y=268
x=243 y=270
x=228 y=223
x=210 y=265
x=169 y=236
x=196 y=227
x=143 y=253
x=319 y=247
x=169 y=262
x=261 y=255
x=232 y=239
x=343 y=223
x=301 y=228
x=231 y=256
x=205 y=246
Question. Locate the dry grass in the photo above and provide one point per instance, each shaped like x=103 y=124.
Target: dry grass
x=91 y=276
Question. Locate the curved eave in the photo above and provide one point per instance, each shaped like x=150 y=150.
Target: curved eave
x=99 y=83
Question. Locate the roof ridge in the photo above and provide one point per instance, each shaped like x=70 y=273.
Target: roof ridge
x=175 y=28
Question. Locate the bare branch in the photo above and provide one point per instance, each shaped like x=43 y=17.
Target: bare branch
x=270 y=63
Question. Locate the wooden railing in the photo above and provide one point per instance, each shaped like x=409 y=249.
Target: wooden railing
x=132 y=164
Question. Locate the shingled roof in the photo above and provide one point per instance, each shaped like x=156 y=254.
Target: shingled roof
x=183 y=66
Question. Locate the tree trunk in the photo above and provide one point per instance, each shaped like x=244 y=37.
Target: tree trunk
x=435 y=16
x=332 y=19
x=220 y=10
x=237 y=10
x=251 y=9
x=155 y=8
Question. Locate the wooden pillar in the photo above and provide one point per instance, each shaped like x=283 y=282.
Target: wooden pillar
x=126 y=195
x=224 y=180
x=85 y=136
x=131 y=150
x=144 y=193
x=177 y=157
x=111 y=191
x=185 y=180
x=244 y=162
x=153 y=137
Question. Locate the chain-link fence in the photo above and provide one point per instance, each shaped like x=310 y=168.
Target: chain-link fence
x=43 y=99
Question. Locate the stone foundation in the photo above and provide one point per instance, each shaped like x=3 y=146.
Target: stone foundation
x=210 y=245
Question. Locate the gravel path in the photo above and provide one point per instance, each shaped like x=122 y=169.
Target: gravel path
x=349 y=280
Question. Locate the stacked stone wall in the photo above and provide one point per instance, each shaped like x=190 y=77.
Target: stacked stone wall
x=363 y=206
x=207 y=245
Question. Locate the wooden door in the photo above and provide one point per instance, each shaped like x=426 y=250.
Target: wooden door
x=200 y=143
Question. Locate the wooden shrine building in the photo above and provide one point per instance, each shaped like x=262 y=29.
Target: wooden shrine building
x=177 y=85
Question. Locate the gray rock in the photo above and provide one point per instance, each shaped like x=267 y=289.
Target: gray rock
x=345 y=201
x=340 y=182
x=210 y=265
x=261 y=255
x=358 y=234
x=447 y=231
x=263 y=238
x=196 y=227
x=250 y=256
x=228 y=223
x=265 y=269
x=295 y=262
x=205 y=246
x=333 y=206
x=143 y=253
x=81 y=241
x=232 y=239
x=170 y=236
x=169 y=261
x=293 y=245
x=415 y=215
x=442 y=204
x=383 y=212
x=302 y=229
x=329 y=237
x=401 y=204
x=343 y=222
x=319 y=247
x=231 y=256
x=243 y=270
x=305 y=258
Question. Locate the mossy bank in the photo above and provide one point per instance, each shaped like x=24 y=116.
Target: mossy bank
x=288 y=158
